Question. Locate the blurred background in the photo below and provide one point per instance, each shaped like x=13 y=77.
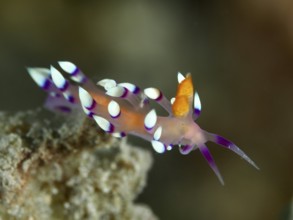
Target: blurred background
x=240 y=53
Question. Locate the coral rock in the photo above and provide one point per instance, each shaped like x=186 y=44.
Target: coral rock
x=67 y=169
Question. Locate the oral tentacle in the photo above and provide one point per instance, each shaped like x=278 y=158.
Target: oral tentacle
x=223 y=142
x=209 y=158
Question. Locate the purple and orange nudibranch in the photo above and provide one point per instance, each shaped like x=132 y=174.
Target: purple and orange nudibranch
x=124 y=109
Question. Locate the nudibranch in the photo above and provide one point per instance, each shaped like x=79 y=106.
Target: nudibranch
x=125 y=109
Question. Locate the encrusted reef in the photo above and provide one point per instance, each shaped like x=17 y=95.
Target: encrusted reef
x=65 y=168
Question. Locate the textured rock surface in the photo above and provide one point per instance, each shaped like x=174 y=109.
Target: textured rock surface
x=67 y=169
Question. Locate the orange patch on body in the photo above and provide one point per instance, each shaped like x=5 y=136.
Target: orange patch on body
x=183 y=99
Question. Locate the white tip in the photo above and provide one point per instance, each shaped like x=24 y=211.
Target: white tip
x=39 y=75
x=117 y=91
x=196 y=102
x=103 y=123
x=114 y=109
x=180 y=77
x=85 y=98
x=172 y=100
x=169 y=147
x=57 y=78
x=158 y=133
x=128 y=86
x=54 y=94
x=150 y=119
x=158 y=146
x=152 y=93
x=107 y=83
x=87 y=112
x=118 y=134
x=67 y=66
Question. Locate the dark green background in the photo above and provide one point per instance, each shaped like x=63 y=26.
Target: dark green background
x=240 y=55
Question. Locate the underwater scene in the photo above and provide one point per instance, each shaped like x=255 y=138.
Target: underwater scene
x=146 y=110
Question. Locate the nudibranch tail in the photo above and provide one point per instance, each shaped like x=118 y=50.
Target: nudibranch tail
x=123 y=108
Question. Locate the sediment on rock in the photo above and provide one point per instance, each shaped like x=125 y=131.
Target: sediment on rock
x=66 y=168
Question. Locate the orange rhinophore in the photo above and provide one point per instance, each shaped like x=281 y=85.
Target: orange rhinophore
x=183 y=99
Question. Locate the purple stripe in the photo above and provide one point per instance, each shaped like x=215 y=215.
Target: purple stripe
x=64 y=87
x=111 y=128
x=123 y=134
x=196 y=111
x=90 y=114
x=160 y=97
x=71 y=99
x=113 y=116
x=136 y=90
x=208 y=156
x=205 y=151
x=63 y=109
x=146 y=101
x=93 y=105
x=186 y=148
x=75 y=72
x=147 y=128
x=55 y=95
x=46 y=84
x=124 y=93
x=84 y=79
x=222 y=141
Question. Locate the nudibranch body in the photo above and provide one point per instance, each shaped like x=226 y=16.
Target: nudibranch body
x=125 y=109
